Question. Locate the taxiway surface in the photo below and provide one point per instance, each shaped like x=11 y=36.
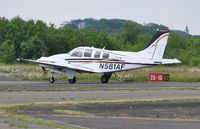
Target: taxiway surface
x=16 y=92
x=39 y=91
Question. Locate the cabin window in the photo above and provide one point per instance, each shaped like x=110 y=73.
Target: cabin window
x=88 y=53
x=105 y=55
x=77 y=53
x=97 y=54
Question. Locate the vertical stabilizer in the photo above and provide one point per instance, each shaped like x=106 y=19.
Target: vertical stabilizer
x=156 y=46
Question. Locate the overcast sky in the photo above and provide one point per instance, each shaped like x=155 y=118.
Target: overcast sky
x=175 y=14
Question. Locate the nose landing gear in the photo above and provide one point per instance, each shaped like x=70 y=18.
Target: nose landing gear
x=51 y=79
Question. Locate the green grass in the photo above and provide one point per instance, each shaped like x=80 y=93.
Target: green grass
x=10 y=111
x=130 y=101
x=3 y=107
x=72 y=112
x=19 y=125
x=30 y=119
x=177 y=73
x=39 y=121
x=85 y=88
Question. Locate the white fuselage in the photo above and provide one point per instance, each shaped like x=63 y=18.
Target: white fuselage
x=90 y=59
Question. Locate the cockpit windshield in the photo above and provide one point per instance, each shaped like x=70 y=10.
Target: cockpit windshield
x=88 y=52
x=78 y=52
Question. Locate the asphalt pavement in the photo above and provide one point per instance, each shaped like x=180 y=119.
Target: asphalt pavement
x=17 y=92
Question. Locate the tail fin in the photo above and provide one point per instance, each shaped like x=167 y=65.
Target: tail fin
x=156 y=46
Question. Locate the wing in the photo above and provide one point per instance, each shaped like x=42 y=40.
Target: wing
x=59 y=65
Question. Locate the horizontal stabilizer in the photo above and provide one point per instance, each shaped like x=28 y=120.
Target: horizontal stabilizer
x=171 y=61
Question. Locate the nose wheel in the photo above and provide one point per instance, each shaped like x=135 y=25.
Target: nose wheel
x=52 y=79
x=73 y=80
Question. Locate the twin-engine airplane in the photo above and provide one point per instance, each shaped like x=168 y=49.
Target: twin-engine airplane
x=107 y=62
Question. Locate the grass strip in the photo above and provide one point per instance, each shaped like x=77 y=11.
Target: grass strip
x=72 y=112
x=34 y=120
x=39 y=121
x=85 y=88
x=19 y=126
x=157 y=88
x=130 y=101
x=4 y=106
x=178 y=73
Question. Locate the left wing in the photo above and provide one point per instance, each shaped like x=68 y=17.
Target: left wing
x=58 y=65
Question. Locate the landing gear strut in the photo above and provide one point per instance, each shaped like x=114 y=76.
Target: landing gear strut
x=73 y=80
x=105 y=78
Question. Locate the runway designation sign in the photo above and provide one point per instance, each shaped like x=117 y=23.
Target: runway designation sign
x=157 y=77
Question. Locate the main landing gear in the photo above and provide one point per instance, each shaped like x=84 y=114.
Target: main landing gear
x=70 y=74
x=105 y=78
x=73 y=80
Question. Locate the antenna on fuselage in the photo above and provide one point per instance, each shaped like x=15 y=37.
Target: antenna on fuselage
x=105 y=46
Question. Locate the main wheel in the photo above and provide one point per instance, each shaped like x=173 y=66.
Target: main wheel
x=104 y=79
x=72 y=80
x=51 y=79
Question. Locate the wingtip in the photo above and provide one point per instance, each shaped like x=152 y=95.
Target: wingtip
x=18 y=59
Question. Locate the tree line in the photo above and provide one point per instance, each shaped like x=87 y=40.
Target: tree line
x=34 y=38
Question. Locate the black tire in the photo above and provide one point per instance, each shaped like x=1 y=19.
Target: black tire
x=104 y=79
x=51 y=79
x=72 y=81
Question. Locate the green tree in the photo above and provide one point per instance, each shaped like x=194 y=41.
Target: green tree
x=7 y=52
x=3 y=28
x=130 y=32
x=59 y=40
x=33 y=48
x=16 y=32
